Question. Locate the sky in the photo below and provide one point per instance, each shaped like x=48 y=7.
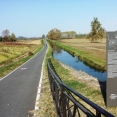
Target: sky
x=33 y=18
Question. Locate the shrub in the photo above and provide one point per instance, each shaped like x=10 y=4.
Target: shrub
x=30 y=53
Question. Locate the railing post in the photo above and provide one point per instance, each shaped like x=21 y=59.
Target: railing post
x=63 y=103
x=98 y=114
x=57 y=100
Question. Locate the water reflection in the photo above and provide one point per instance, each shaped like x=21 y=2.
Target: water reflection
x=76 y=63
x=57 y=50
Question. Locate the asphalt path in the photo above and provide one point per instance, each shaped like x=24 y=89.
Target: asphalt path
x=18 y=90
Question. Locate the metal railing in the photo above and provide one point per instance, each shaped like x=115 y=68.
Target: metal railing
x=68 y=101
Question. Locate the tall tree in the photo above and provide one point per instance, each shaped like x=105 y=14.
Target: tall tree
x=6 y=37
x=97 y=32
x=5 y=34
x=12 y=37
x=43 y=36
x=54 y=34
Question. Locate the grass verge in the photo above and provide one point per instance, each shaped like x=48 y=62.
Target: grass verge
x=45 y=102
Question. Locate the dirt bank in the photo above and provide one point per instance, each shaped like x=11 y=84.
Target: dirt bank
x=85 y=78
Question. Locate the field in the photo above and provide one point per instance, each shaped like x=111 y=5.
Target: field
x=10 y=51
x=30 y=41
x=97 y=50
x=94 y=54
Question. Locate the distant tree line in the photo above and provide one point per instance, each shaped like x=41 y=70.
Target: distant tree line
x=6 y=37
x=27 y=38
x=56 y=34
x=80 y=36
x=68 y=35
x=97 y=33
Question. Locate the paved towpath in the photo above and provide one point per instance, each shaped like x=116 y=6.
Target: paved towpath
x=18 y=90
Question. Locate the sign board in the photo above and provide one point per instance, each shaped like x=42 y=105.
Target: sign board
x=111 y=51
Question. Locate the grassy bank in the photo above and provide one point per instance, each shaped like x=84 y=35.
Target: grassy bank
x=45 y=102
x=83 y=55
x=92 y=94
x=12 y=65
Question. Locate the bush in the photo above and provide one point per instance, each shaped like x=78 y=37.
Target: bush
x=30 y=53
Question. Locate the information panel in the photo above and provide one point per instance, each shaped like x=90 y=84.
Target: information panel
x=111 y=68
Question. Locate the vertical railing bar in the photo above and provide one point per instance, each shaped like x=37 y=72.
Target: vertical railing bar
x=80 y=106
x=78 y=111
x=68 y=107
x=60 y=104
x=74 y=111
x=98 y=114
x=63 y=102
x=56 y=98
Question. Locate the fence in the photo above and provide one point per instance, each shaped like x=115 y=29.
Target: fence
x=67 y=102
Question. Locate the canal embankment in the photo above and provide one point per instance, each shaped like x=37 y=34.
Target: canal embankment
x=84 y=55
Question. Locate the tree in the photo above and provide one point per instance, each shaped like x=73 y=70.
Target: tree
x=6 y=37
x=12 y=37
x=43 y=36
x=5 y=34
x=97 y=32
x=54 y=34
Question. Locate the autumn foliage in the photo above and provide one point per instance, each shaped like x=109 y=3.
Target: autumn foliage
x=97 y=32
x=54 y=34
x=7 y=37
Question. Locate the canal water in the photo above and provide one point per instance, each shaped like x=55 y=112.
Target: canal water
x=74 y=62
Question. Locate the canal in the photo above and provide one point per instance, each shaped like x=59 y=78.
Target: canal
x=73 y=61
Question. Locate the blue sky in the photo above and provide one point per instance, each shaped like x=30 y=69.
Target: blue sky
x=33 y=18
